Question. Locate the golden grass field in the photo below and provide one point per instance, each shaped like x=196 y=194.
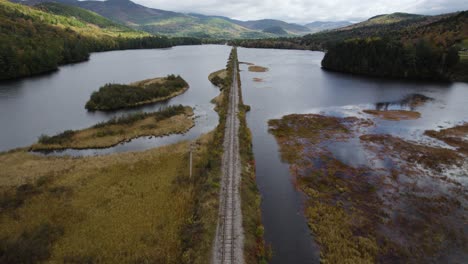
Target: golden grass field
x=121 y=208
x=112 y=134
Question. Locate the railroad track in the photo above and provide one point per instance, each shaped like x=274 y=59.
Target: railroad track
x=228 y=246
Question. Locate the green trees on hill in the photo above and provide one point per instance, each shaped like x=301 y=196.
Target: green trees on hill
x=34 y=41
x=389 y=58
x=82 y=15
x=36 y=48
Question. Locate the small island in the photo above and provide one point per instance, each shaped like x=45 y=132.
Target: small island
x=256 y=68
x=394 y=115
x=114 y=96
x=170 y=120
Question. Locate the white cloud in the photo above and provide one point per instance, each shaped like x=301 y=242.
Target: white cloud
x=302 y=11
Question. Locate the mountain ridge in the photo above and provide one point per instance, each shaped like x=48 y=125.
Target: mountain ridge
x=170 y=23
x=318 y=26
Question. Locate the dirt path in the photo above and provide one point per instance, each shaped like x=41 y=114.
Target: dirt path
x=229 y=241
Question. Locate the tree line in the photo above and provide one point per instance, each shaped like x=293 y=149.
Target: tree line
x=390 y=58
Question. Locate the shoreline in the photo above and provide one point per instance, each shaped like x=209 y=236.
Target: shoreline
x=119 y=133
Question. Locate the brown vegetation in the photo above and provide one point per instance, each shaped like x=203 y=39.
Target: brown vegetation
x=456 y=136
x=257 y=69
x=431 y=157
x=402 y=212
x=394 y=115
x=125 y=208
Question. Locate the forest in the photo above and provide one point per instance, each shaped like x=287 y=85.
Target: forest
x=34 y=41
x=388 y=58
x=116 y=96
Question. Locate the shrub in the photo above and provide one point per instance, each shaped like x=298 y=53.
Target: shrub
x=57 y=139
x=30 y=247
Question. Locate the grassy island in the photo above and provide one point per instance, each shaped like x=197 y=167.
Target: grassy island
x=255 y=68
x=170 y=120
x=114 y=96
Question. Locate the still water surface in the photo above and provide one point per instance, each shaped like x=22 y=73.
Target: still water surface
x=53 y=103
x=295 y=83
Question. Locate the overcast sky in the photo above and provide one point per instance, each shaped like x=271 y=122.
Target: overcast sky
x=304 y=11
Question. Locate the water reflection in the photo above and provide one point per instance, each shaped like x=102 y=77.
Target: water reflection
x=408 y=103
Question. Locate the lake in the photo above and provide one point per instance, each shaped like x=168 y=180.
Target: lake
x=295 y=83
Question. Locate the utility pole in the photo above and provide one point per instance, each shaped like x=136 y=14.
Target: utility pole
x=191 y=150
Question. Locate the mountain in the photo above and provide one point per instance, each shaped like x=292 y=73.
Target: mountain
x=276 y=30
x=157 y=21
x=390 y=18
x=262 y=24
x=386 y=19
x=391 y=26
x=269 y=23
x=395 y=26
x=318 y=26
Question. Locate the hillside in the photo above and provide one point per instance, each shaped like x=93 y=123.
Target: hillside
x=81 y=14
x=424 y=51
x=157 y=21
x=318 y=26
x=396 y=45
x=392 y=26
x=276 y=30
x=384 y=26
x=35 y=41
x=263 y=24
x=385 y=19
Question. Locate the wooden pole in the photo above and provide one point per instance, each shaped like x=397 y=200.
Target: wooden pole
x=191 y=149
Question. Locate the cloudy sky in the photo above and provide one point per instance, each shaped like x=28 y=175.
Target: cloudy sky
x=303 y=11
